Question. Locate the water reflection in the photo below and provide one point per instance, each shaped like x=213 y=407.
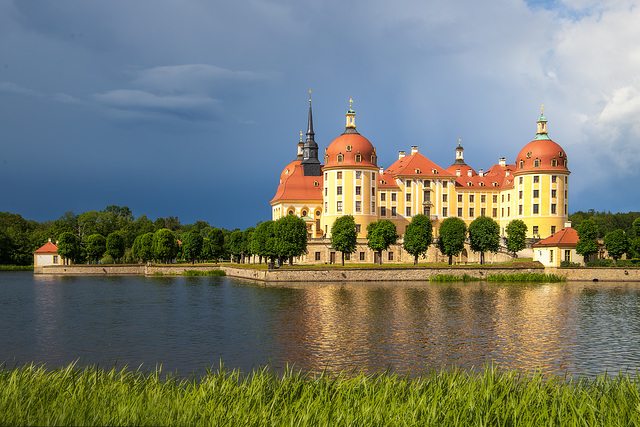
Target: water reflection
x=189 y=323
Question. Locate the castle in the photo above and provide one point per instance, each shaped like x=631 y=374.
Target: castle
x=534 y=190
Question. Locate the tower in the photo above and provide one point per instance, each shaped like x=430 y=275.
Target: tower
x=310 y=162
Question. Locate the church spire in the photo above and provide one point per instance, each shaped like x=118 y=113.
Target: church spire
x=542 y=126
x=310 y=162
x=351 y=119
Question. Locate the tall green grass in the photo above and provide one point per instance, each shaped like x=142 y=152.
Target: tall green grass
x=446 y=278
x=204 y=273
x=92 y=396
x=16 y=267
x=526 y=278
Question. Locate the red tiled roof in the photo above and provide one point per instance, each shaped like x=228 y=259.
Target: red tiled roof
x=565 y=238
x=544 y=150
x=386 y=181
x=296 y=186
x=418 y=166
x=349 y=145
x=47 y=248
x=495 y=178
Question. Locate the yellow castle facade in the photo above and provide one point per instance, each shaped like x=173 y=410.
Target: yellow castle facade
x=350 y=182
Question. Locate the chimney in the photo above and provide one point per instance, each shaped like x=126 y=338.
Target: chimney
x=457 y=172
x=400 y=154
x=502 y=161
x=567 y=224
x=469 y=173
x=49 y=239
x=481 y=172
x=414 y=149
x=381 y=171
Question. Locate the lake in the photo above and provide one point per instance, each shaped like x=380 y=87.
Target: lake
x=187 y=324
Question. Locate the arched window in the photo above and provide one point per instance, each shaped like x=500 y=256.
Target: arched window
x=340 y=158
x=304 y=213
x=317 y=213
x=290 y=211
x=373 y=159
x=536 y=163
x=554 y=163
x=521 y=164
x=528 y=154
x=358 y=158
x=348 y=148
x=560 y=153
x=326 y=159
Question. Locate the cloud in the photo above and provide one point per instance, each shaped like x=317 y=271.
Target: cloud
x=12 y=88
x=190 y=107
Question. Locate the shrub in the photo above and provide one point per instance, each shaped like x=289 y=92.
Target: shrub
x=570 y=264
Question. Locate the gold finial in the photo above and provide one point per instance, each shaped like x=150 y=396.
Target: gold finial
x=459 y=141
x=300 y=136
x=350 y=102
x=309 y=95
x=542 y=110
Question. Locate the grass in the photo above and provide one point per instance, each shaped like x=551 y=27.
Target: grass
x=523 y=263
x=526 y=278
x=93 y=396
x=204 y=273
x=445 y=278
x=16 y=267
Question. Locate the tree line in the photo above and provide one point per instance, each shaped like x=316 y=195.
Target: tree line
x=617 y=242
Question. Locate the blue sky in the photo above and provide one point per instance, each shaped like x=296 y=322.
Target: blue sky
x=192 y=108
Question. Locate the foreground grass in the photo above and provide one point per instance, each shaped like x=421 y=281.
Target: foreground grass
x=526 y=277
x=204 y=273
x=16 y=267
x=92 y=396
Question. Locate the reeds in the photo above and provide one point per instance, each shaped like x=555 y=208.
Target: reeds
x=16 y=267
x=204 y=273
x=446 y=278
x=526 y=278
x=90 y=396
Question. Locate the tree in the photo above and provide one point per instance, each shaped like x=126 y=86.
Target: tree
x=165 y=246
x=115 y=246
x=617 y=244
x=587 y=244
x=247 y=235
x=235 y=244
x=380 y=235
x=484 y=236
x=290 y=234
x=263 y=241
x=516 y=236
x=192 y=245
x=452 y=232
x=68 y=247
x=216 y=242
x=96 y=247
x=143 y=247
x=344 y=235
x=634 y=243
x=418 y=236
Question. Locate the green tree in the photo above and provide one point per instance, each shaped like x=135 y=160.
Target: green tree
x=516 y=236
x=68 y=247
x=290 y=233
x=235 y=245
x=617 y=244
x=206 y=254
x=380 y=235
x=634 y=242
x=143 y=247
x=96 y=247
x=263 y=241
x=587 y=244
x=216 y=242
x=452 y=232
x=344 y=235
x=115 y=245
x=418 y=237
x=247 y=236
x=192 y=245
x=165 y=246
x=484 y=236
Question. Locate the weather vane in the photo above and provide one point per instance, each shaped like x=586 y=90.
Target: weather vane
x=350 y=101
x=300 y=136
x=309 y=95
x=459 y=140
x=542 y=110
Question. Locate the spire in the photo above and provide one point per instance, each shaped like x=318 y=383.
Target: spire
x=542 y=126
x=459 y=154
x=300 y=146
x=310 y=162
x=351 y=119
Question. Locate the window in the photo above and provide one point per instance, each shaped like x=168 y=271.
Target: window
x=483 y=198
x=521 y=180
x=502 y=199
x=358 y=175
x=536 y=163
x=339 y=190
x=393 y=197
x=567 y=255
x=317 y=256
x=444 y=184
x=444 y=197
x=553 y=194
x=471 y=213
x=427 y=195
x=509 y=197
x=483 y=212
x=444 y=212
x=470 y=198
x=409 y=182
x=536 y=178
x=565 y=194
x=339 y=175
x=304 y=213
x=358 y=228
x=459 y=198
x=373 y=191
x=339 y=206
x=494 y=213
x=358 y=206
x=550 y=255
x=55 y=259
x=358 y=158
x=408 y=211
x=347 y=256
x=427 y=183
x=349 y=148
x=520 y=194
x=536 y=194
x=460 y=212
x=361 y=256
x=553 y=229
x=426 y=210
x=383 y=197
x=318 y=214
x=554 y=178
x=495 y=198
x=535 y=230
x=566 y=180
x=553 y=208
x=509 y=211
x=521 y=164
x=390 y=256
x=383 y=211
x=408 y=197
x=520 y=210
x=326 y=191
x=358 y=190
x=340 y=158
x=326 y=207
x=393 y=211
x=554 y=163
x=535 y=208
x=290 y=212
x=373 y=207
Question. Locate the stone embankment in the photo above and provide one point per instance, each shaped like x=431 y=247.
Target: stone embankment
x=388 y=274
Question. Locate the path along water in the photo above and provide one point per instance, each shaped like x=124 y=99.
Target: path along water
x=187 y=324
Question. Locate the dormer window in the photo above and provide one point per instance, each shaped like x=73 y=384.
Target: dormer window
x=315 y=183
x=536 y=163
x=528 y=154
x=383 y=182
x=373 y=159
x=358 y=158
x=435 y=171
x=348 y=148
x=560 y=154
x=521 y=164
x=286 y=171
x=418 y=171
x=554 y=163
x=470 y=184
x=326 y=159
x=495 y=184
x=340 y=158
x=482 y=184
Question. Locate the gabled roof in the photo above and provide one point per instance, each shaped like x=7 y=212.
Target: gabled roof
x=565 y=238
x=418 y=166
x=296 y=186
x=386 y=180
x=47 y=248
x=494 y=178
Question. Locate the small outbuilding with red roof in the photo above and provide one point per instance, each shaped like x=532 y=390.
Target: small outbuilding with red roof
x=558 y=247
x=47 y=254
